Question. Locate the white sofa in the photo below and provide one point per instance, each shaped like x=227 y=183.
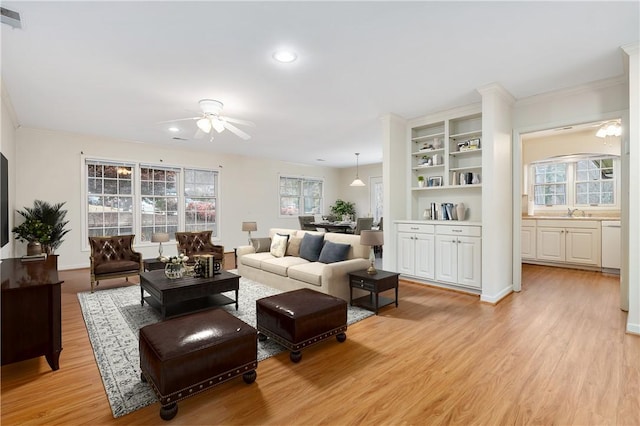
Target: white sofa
x=293 y=272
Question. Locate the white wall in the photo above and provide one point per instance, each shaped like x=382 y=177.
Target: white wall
x=582 y=142
x=49 y=168
x=7 y=147
x=360 y=195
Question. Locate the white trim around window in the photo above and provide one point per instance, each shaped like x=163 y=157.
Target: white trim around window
x=162 y=197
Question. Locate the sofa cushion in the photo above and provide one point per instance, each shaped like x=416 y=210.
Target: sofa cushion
x=333 y=252
x=311 y=246
x=293 y=249
x=279 y=245
x=280 y=265
x=310 y=273
x=261 y=244
x=255 y=259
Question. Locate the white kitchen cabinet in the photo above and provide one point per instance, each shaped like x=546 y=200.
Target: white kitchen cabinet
x=550 y=244
x=459 y=255
x=528 y=240
x=415 y=248
x=576 y=242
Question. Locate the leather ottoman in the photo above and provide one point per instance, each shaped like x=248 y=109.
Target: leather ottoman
x=300 y=318
x=188 y=354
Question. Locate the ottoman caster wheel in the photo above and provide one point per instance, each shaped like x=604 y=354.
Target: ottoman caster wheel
x=262 y=337
x=249 y=377
x=341 y=337
x=295 y=356
x=168 y=412
x=143 y=379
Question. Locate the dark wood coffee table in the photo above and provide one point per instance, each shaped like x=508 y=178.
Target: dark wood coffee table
x=187 y=294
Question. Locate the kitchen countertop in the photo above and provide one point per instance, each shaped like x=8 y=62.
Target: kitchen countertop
x=545 y=217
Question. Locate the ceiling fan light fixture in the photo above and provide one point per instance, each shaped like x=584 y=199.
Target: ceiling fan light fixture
x=357 y=181
x=204 y=124
x=217 y=124
x=610 y=128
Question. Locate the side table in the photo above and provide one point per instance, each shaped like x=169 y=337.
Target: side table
x=153 y=264
x=374 y=284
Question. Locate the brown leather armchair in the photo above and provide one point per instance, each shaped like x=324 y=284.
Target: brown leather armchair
x=113 y=257
x=198 y=243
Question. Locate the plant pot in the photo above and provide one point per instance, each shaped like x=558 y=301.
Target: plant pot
x=34 y=248
x=420 y=184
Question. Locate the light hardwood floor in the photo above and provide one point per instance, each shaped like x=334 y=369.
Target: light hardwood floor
x=555 y=353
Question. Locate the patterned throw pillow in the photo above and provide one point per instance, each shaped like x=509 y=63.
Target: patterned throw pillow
x=311 y=246
x=279 y=245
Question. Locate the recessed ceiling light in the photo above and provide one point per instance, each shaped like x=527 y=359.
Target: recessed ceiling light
x=285 y=56
x=174 y=129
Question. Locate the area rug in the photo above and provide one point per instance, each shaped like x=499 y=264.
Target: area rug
x=113 y=318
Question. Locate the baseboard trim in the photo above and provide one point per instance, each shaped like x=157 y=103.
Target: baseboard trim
x=496 y=298
x=633 y=329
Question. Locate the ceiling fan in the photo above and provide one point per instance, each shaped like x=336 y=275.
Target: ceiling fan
x=212 y=120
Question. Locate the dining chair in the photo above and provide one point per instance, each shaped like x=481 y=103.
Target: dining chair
x=363 y=224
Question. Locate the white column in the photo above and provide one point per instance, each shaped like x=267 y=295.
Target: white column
x=633 y=318
x=497 y=193
x=394 y=165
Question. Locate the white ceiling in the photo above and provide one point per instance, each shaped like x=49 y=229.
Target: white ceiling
x=116 y=69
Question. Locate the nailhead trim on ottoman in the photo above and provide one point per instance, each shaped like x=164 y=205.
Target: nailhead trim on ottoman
x=189 y=354
x=300 y=318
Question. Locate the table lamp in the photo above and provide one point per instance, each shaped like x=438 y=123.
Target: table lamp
x=372 y=239
x=248 y=227
x=160 y=237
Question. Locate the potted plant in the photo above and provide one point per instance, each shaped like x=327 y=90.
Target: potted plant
x=344 y=210
x=35 y=233
x=420 y=181
x=52 y=215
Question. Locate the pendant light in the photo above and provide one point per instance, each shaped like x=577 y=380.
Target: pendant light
x=357 y=181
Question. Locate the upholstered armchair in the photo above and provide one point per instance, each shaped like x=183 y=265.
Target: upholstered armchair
x=198 y=243
x=113 y=257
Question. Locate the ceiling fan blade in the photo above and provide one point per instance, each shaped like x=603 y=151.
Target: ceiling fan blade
x=237 y=121
x=178 y=119
x=233 y=129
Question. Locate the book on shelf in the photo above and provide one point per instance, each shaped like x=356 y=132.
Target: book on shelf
x=33 y=257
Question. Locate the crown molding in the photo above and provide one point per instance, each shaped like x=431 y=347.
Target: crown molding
x=575 y=90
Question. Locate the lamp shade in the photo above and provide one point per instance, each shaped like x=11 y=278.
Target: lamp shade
x=159 y=237
x=249 y=226
x=371 y=238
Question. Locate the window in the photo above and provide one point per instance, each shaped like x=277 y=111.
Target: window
x=109 y=198
x=550 y=187
x=300 y=196
x=595 y=182
x=131 y=198
x=158 y=201
x=581 y=181
x=200 y=195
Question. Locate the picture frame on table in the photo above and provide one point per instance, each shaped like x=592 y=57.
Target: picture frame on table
x=435 y=181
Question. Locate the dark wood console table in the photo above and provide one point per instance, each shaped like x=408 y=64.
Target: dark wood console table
x=31 y=317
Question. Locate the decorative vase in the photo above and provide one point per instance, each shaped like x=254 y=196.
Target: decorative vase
x=174 y=270
x=426 y=215
x=461 y=210
x=33 y=248
x=476 y=179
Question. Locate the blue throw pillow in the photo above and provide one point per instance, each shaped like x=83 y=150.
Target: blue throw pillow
x=333 y=252
x=311 y=246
